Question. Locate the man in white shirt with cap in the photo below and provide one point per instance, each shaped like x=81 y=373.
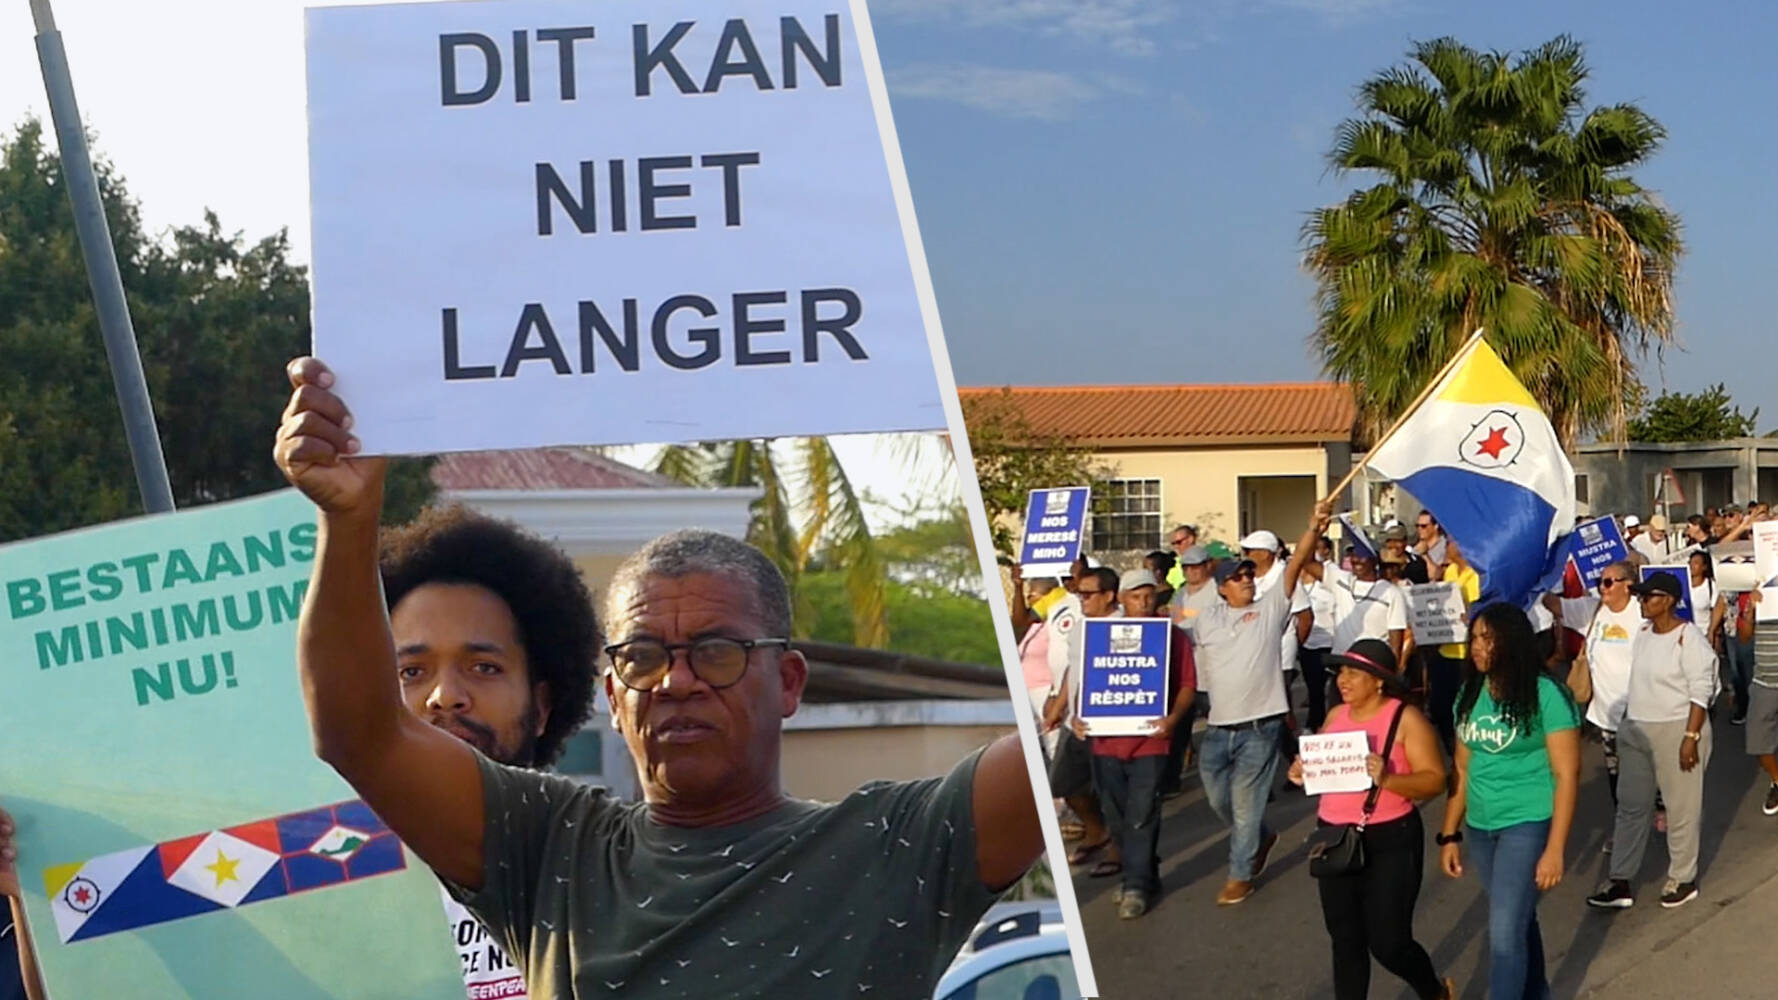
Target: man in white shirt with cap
x=1262 y=548
x=1237 y=652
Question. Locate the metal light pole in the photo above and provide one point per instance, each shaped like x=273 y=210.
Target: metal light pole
x=101 y=268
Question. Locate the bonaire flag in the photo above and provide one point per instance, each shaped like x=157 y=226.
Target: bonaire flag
x=1482 y=456
x=220 y=870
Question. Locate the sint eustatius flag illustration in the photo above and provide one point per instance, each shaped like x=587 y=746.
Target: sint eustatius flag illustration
x=220 y=870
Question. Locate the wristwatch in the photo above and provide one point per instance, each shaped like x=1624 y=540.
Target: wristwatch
x=1449 y=838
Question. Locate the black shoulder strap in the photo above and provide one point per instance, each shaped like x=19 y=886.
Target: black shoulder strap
x=1370 y=801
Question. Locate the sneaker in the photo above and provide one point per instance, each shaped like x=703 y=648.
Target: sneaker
x=1132 y=905
x=1615 y=895
x=1233 y=892
x=1264 y=855
x=1771 y=806
x=1606 y=847
x=1738 y=719
x=1678 y=894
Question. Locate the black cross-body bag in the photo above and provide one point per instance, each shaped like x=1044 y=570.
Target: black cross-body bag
x=1339 y=849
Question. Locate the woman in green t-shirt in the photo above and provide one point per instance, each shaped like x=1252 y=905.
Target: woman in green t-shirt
x=1518 y=769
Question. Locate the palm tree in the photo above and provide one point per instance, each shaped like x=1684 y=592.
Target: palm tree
x=1497 y=203
x=809 y=507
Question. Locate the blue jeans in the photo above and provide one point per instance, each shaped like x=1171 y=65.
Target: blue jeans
x=1737 y=662
x=1506 y=860
x=1130 y=798
x=1237 y=764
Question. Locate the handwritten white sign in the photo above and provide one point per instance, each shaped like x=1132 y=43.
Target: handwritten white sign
x=1334 y=762
x=1435 y=612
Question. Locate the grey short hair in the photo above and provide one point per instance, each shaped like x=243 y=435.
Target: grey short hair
x=1628 y=568
x=690 y=551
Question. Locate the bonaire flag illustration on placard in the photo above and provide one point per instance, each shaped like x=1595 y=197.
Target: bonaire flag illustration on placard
x=222 y=869
x=1482 y=456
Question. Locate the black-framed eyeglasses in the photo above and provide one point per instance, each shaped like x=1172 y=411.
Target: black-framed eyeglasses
x=641 y=664
x=1089 y=593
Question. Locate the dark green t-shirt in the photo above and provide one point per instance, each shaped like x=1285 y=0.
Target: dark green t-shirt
x=868 y=897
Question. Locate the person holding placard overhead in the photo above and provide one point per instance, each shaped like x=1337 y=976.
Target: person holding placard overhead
x=1239 y=654
x=1518 y=771
x=1370 y=912
x=657 y=898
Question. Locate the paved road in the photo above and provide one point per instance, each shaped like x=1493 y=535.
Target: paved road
x=1274 y=945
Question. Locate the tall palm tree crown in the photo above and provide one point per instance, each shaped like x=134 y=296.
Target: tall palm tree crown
x=1498 y=203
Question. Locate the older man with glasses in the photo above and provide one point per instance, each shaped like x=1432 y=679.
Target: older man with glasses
x=1240 y=659
x=689 y=891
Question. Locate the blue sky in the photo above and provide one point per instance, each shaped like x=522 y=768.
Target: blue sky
x=1111 y=190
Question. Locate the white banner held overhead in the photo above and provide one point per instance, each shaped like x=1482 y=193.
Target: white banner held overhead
x=545 y=223
x=1765 y=568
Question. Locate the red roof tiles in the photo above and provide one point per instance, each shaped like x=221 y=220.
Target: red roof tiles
x=1114 y=416
x=540 y=469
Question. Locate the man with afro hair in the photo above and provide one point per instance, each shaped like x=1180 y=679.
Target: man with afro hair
x=718 y=884
x=496 y=643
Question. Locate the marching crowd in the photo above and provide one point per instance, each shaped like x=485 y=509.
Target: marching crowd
x=1501 y=724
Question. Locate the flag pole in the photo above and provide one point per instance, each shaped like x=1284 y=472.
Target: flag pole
x=101 y=268
x=1426 y=393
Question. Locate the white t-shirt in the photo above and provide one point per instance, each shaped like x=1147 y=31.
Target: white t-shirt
x=487 y=973
x=1322 y=606
x=1364 y=610
x=1610 y=642
x=1577 y=612
x=1236 y=651
x=1652 y=550
x=1299 y=601
x=1541 y=619
x=1671 y=673
x=1188 y=606
x=1703 y=601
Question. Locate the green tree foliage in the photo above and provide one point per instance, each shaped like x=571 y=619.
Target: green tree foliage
x=1497 y=201
x=1012 y=458
x=807 y=506
x=1698 y=416
x=932 y=590
x=216 y=320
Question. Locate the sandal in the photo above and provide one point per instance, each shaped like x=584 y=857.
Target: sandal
x=1085 y=852
x=1106 y=869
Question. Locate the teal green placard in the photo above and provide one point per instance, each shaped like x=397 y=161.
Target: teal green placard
x=148 y=698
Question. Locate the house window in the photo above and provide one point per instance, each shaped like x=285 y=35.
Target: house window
x=1127 y=516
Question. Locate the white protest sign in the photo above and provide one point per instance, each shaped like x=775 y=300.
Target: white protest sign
x=1334 y=762
x=1435 y=613
x=540 y=223
x=1765 y=569
x=1733 y=567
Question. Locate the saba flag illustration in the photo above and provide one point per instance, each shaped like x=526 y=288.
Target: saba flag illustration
x=1482 y=456
x=220 y=870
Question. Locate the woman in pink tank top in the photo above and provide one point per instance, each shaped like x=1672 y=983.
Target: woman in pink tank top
x=1370 y=913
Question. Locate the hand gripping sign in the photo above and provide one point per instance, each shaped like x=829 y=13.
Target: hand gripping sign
x=1125 y=675
x=1054 y=520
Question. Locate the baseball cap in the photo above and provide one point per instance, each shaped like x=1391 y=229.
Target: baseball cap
x=1658 y=522
x=1658 y=583
x=1395 y=533
x=1632 y=521
x=1229 y=567
x=1261 y=540
x=1196 y=555
x=1134 y=578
